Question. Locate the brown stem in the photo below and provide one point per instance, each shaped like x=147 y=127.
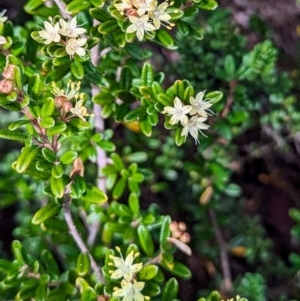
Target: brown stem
x=227 y=281
x=230 y=98
x=78 y=240
x=62 y=8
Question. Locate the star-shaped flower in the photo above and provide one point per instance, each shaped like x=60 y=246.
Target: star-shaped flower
x=159 y=15
x=130 y=291
x=75 y=46
x=178 y=112
x=143 y=6
x=125 y=268
x=200 y=106
x=140 y=25
x=124 y=5
x=192 y=126
x=69 y=93
x=80 y=110
x=70 y=29
x=50 y=33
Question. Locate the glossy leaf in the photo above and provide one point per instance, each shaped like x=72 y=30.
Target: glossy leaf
x=28 y=154
x=45 y=213
x=170 y=290
x=145 y=240
x=94 y=195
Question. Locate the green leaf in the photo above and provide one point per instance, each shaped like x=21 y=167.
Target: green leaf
x=179 y=89
x=6 y=134
x=118 y=163
x=68 y=157
x=6 y=266
x=134 y=204
x=83 y=264
x=57 y=171
x=183 y=28
x=148 y=272
x=119 y=188
x=170 y=290
x=294 y=214
x=126 y=78
x=145 y=240
x=50 y=210
x=58 y=128
x=177 y=269
x=147 y=75
x=107 y=145
x=135 y=51
x=47 y=122
x=57 y=186
x=165 y=232
x=34 y=84
x=208 y=4
x=137 y=157
x=229 y=65
x=48 y=154
x=166 y=99
x=77 y=69
x=103 y=98
x=189 y=91
x=146 y=127
x=57 y=74
x=108 y=26
x=94 y=76
x=165 y=38
x=27 y=156
x=94 y=195
x=76 y=6
x=41 y=292
x=214 y=96
x=16 y=124
x=32 y=5
x=126 y=96
x=99 y=14
x=17 y=250
x=179 y=140
x=55 y=225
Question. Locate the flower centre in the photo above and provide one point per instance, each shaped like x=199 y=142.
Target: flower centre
x=70 y=31
x=73 y=46
x=156 y=14
x=139 y=24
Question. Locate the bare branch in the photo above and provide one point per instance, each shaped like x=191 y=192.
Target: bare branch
x=62 y=8
x=78 y=240
x=227 y=281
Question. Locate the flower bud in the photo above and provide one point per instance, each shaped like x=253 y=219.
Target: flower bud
x=8 y=72
x=59 y=101
x=6 y=86
x=67 y=106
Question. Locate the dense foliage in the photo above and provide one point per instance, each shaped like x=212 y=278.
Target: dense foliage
x=122 y=123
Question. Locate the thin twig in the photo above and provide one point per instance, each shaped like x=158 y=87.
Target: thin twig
x=230 y=98
x=62 y=8
x=78 y=240
x=99 y=127
x=227 y=281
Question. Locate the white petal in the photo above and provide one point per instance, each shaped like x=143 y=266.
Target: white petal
x=116 y=274
x=140 y=34
x=81 y=52
x=138 y=297
x=131 y=28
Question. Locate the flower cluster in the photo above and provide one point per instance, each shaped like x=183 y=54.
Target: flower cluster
x=7 y=83
x=66 y=33
x=198 y=110
x=125 y=269
x=145 y=16
x=63 y=100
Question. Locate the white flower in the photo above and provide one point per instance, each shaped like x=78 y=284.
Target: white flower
x=124 y=5
x=70 y=29
x=130 y=291
x=74 y=46
x=139 y=25
x=2 y=18
x=178 y=112
x=80 y=110
x=143 y=6
x=159 y=15
x=125 y=268
x=71 y=91
x=50 y=33
x=199 y=105
x=2 y=40
x=194 y=125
